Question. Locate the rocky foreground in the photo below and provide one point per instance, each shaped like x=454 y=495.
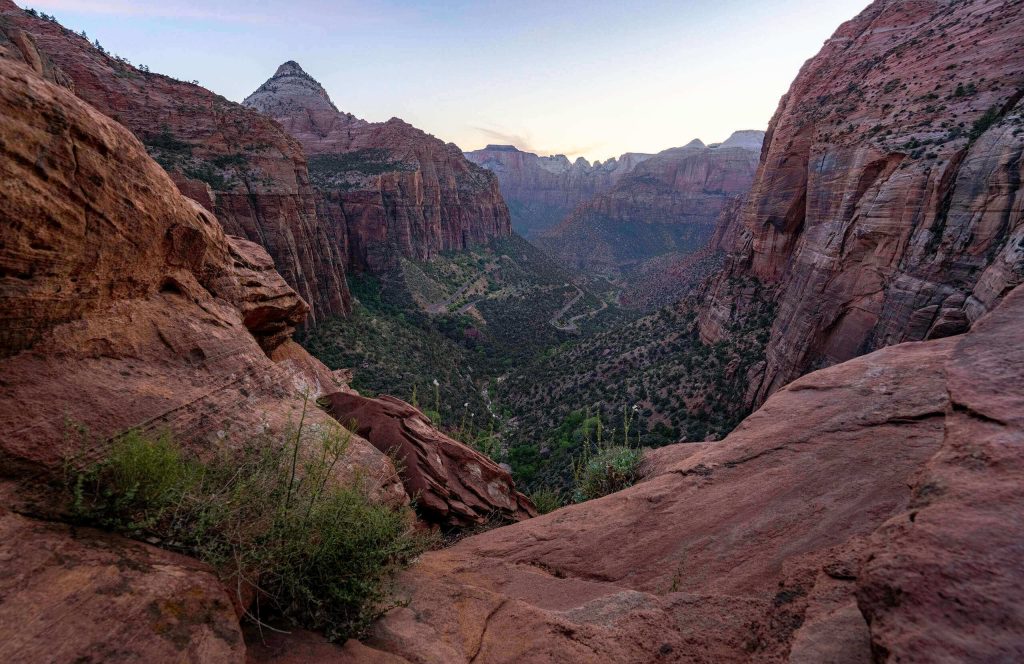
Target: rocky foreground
x=127 y=307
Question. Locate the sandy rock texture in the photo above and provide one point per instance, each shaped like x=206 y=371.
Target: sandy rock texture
x=453 y=485
x=867 y=512
x=237 y=163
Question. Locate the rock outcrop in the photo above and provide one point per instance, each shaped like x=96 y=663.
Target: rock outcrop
x=867 y=512
x=126 y=305
x=386 y=188
x=452 y=484
x=888 y=205
x=237 y=163
x=667 y=204
x=541 y=191
x=80 y=595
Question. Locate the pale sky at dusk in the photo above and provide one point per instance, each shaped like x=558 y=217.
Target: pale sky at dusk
x=594 y=78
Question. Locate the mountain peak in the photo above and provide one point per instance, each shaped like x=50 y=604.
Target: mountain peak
x=751 y=139
x=290 y=87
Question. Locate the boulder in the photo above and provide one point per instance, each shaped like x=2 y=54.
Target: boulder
x=452 y=484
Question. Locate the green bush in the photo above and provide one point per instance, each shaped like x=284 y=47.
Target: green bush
x=611 y=469
x=319 y=554
x=546 y=500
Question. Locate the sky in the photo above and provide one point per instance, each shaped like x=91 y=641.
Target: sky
x=592 y=78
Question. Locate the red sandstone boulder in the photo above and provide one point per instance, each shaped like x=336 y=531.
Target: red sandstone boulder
x=452 y=484
x=125 y=304
x=239 y=164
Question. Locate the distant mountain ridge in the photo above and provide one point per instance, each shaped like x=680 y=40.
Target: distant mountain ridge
x=542 y=190
x=667 y=204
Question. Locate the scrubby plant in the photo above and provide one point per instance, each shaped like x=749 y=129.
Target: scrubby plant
x=271 y=517
x=608 y=470
x=547 y=500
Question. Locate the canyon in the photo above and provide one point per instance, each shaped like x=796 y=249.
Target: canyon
x=667 y=204
x=541 y=191
x=832 y=314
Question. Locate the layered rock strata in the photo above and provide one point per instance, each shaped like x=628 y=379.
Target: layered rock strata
x=541 y=191
x=387 y=189
x=237 y=163
x=888 y=204
x=666 y=205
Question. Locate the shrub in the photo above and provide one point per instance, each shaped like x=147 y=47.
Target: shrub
x=546 y=500
x=609 y=470
x=319 y=554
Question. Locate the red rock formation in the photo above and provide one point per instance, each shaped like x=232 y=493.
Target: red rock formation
x=77 y=595
x=126 y=305
x=868 y=510
x=541 y=191
x=388 y=189
x=452 y=484
x=236 y=162
x=888 y=204
x=667 y=204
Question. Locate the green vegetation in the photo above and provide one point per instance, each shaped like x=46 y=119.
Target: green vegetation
x=272 y=516
x=652 y=375
x=515 y=387
x=606 y=471
x=337 y=170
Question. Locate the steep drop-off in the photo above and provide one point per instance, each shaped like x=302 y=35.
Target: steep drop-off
x=541 y=191
x=888 y=205
x=387 y=188
x=667 y=204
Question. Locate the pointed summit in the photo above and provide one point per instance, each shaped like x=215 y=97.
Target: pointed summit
x=290 y=88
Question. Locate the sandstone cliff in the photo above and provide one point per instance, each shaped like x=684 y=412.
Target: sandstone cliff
x=888 y=203
x=541 y=191
x=667 y=204
x=237 y=163
x=388 y=189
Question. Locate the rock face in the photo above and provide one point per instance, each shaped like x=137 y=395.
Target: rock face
x=77 y=595
x=386 y=189
x=453 y=485
x=541 y=191
x=127 y=306
x=237 y=163
x=888 y=203
x=750 y=549
x=667 y=204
